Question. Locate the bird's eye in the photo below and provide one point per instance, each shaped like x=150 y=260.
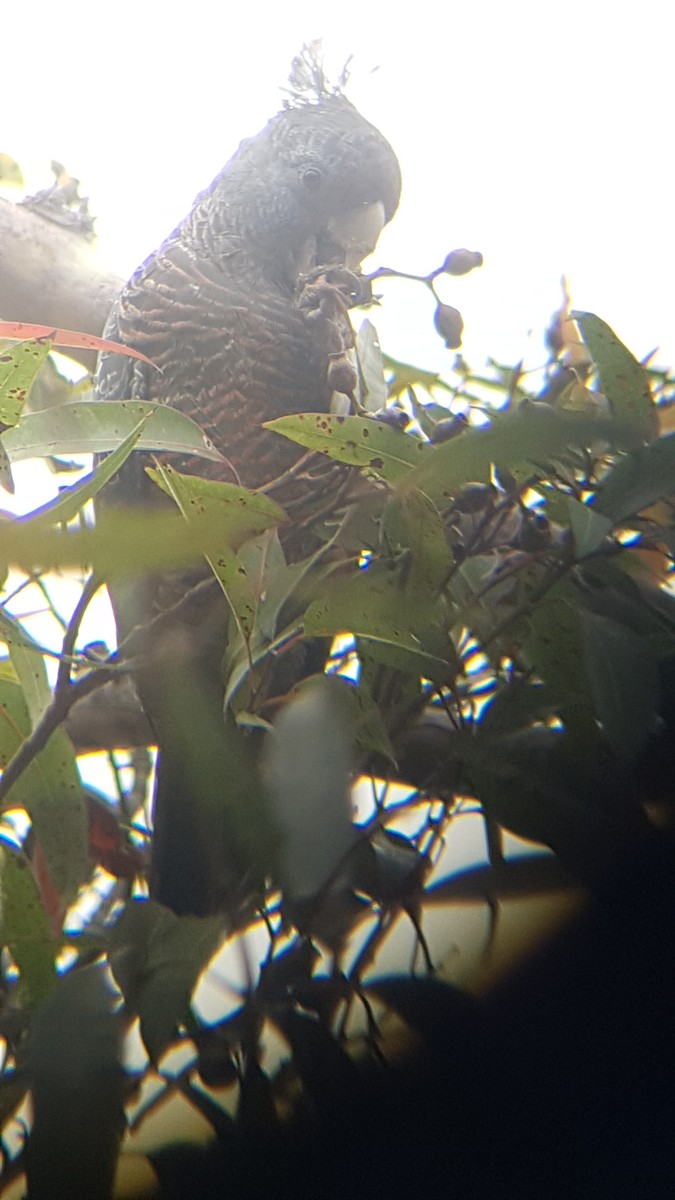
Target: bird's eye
x=311 y=177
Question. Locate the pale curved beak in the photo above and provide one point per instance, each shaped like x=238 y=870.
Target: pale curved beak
x=357 y=233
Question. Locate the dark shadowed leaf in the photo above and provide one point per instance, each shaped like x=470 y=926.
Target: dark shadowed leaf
x=637 y=480
x=255 y=1111
x=77 y=1090
x=325 y=1069
x=516 y=704
x=554 y=650
x=623 y=678
x=157 y=960
x=437 y=1011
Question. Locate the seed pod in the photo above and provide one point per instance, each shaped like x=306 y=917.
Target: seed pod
x=451 y=427
x=460 y=262
x=449 y=323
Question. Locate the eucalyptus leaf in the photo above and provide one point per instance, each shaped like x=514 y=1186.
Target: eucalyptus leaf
x=25 y=928
x=19 y=365
x=77 y=1088
x=241 y=515
x=71 y=500
x=637 y=480
x=536 y=434
x=623 y=380
x=324 y=1067
x=405 y=375
x=623 y=678
x=553 y=647
x=589 y=527
x=157 y=959
x=98 y=427
x=411 y=521
x=357 y=441
x=375 y=604
x=50 y=791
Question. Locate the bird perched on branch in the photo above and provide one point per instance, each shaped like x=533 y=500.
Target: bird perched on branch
x=232 y=308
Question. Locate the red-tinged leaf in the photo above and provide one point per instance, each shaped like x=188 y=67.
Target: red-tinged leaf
x=21 y=331
x=107 y=844
x=50 y=897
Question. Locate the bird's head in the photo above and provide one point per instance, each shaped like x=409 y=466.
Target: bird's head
x=314 y=188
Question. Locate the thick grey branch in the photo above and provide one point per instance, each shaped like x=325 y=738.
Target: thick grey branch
x=49 y=276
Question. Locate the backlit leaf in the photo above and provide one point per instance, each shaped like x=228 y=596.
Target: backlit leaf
x=623 y=380
x=98 y=427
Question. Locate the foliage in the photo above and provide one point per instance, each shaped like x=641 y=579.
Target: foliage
x=496 y=629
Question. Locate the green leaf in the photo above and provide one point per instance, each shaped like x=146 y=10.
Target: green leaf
x=623 y=679
x=124 y=542
x=19 y=364
x=49 y=790
x=373 y=604
x=98 y=427
x=589 y=527
x=357 y=441
x=77 y=1086
x=31 y=673
x=411 y=521
x=241 y=515
x=637 y=480
x=371 y=731
x=535 y=434
x=71 y=500
x=623 y=380
x=25 y=928
x=157 y=959
x=553 y=647
x=516 y=705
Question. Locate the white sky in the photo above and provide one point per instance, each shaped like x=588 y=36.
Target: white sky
x=539 y=134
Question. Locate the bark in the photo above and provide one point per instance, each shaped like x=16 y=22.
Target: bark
x=50 y=275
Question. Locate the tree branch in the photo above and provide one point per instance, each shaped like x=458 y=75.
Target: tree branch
x=49 y=275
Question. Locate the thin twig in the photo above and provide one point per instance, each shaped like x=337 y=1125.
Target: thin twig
x=91 y=586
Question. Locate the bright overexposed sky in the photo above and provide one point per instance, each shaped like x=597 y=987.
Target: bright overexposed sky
x=538 y=134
